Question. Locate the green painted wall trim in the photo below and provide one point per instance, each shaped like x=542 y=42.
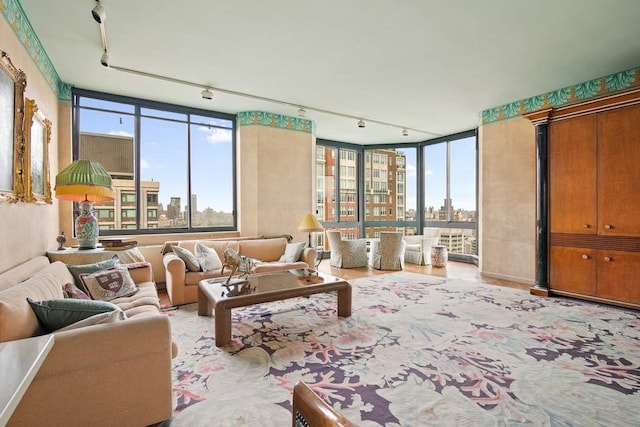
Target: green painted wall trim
x=13 y=13
x=596 y=88
x=280 y=121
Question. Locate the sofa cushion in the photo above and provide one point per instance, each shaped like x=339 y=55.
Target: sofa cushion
x=22 y=271
x=72 y=291
x=267 y=250
x=207 y=258
x=108 y=284
x=292 y=252
x=267 y=267
x=79 y=269
x=17 y=319
x=147 y=296
x=97 y=319
x=190 y=260
x=58 y=313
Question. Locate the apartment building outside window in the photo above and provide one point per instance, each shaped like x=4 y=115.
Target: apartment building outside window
x=163 y=159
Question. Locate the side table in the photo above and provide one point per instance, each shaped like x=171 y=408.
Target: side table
x=88 y=256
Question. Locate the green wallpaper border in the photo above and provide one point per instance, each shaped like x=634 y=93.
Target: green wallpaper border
x=596 y=88
x=280 y=121
x=15 y=16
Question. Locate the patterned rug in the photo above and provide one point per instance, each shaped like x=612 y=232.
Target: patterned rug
x=418 y=350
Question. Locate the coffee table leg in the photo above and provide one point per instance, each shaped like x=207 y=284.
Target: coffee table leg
x=223 y=325
x=344 y=301
x=204 y=305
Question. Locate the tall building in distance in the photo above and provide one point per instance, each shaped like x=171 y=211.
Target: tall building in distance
x=115 y=154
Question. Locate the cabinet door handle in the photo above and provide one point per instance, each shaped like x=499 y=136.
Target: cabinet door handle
x=586 y=225
x=608 y=226
x=585 y=256
x=607 y=259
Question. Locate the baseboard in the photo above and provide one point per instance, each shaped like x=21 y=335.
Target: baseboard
x=509 y=278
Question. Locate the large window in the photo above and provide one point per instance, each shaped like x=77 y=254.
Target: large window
x=172 y=167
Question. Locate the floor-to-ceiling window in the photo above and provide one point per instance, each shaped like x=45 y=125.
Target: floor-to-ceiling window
x=450 y=193
x=172 y=166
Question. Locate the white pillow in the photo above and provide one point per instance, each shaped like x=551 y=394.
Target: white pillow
x=207 y=257
x=190 y=260
x=292 y=252
x=97 y=319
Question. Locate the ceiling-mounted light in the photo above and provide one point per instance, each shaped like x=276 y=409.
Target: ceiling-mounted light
x=405 y=132
x=302 y=113
x=206 y=94
x=104 y=60
x=98 y=13
x=360 y=123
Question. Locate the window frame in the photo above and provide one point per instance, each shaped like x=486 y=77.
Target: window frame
x=139 y=104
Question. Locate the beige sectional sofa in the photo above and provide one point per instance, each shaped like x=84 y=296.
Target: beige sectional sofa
x=182 y=285
x=105 y=374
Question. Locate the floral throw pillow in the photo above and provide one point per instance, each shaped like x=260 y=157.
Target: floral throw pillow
x=109 y=284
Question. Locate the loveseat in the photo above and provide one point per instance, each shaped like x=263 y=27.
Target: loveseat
x=117 y=373
x=265 y=253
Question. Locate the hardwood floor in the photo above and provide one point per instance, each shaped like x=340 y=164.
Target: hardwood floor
x=454 y=270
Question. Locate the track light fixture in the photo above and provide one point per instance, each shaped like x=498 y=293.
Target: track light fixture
x=405 y=132
x=302 y=113
x=98 y=13
x=104 y=60
x=206 y=93
x=361 y=123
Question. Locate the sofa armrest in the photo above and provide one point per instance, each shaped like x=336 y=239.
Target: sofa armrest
x=175 y=276
x=140 y=271
x=128 y=363
x=309 y=255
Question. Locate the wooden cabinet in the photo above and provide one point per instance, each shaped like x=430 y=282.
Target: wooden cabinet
x=594 y=205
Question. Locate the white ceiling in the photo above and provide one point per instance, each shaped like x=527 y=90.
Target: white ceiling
x=432 y=65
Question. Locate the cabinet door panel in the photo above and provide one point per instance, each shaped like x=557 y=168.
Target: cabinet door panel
x=570 y=271
x=619 y=275
x=572 y=175
x=619 y=172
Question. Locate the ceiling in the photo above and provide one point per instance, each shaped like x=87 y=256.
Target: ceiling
x=426 y=65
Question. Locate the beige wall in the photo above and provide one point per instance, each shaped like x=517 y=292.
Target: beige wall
x=29 y=229
x=275 y=180
x=508 y=200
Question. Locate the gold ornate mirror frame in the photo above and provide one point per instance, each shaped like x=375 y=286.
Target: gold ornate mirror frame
x=37 y=137
x=12 y=84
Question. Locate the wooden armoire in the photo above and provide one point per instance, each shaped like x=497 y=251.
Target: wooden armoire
x=591 y=198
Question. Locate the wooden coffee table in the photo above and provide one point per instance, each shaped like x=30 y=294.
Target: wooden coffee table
x=265 y=287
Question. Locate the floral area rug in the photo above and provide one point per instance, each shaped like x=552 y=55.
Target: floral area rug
x=418 y=350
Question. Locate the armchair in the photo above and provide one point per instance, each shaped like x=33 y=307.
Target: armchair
x=347 y=253
x=387 y=253
x=418 y=249
x=308 y=409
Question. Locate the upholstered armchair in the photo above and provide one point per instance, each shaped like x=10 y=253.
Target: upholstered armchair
x=418 y=249
x=387 y=252
x=347 y=253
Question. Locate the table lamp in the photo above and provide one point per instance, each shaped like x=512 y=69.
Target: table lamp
x=310 y=224
x=85 y=182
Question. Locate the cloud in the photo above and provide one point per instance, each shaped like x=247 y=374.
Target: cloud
x=216 y=135
x=144 y=164
x=428 y=172
x=120 y=133
x=411 y=171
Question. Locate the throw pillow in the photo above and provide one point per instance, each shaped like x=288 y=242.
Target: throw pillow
x=56 y=314
x=78 y=269
x=189 y=259
x=108 y=284
x=207 y=258
x=72 y=291
x=292 y=252
x=97 y=319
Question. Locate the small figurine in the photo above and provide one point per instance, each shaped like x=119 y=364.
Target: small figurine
x=61 y=239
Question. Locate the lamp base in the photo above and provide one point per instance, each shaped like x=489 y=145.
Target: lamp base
x=86 y=226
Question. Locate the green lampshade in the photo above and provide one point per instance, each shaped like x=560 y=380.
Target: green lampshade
x=84 y=180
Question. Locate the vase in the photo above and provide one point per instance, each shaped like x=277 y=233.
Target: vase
x=86 y=227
